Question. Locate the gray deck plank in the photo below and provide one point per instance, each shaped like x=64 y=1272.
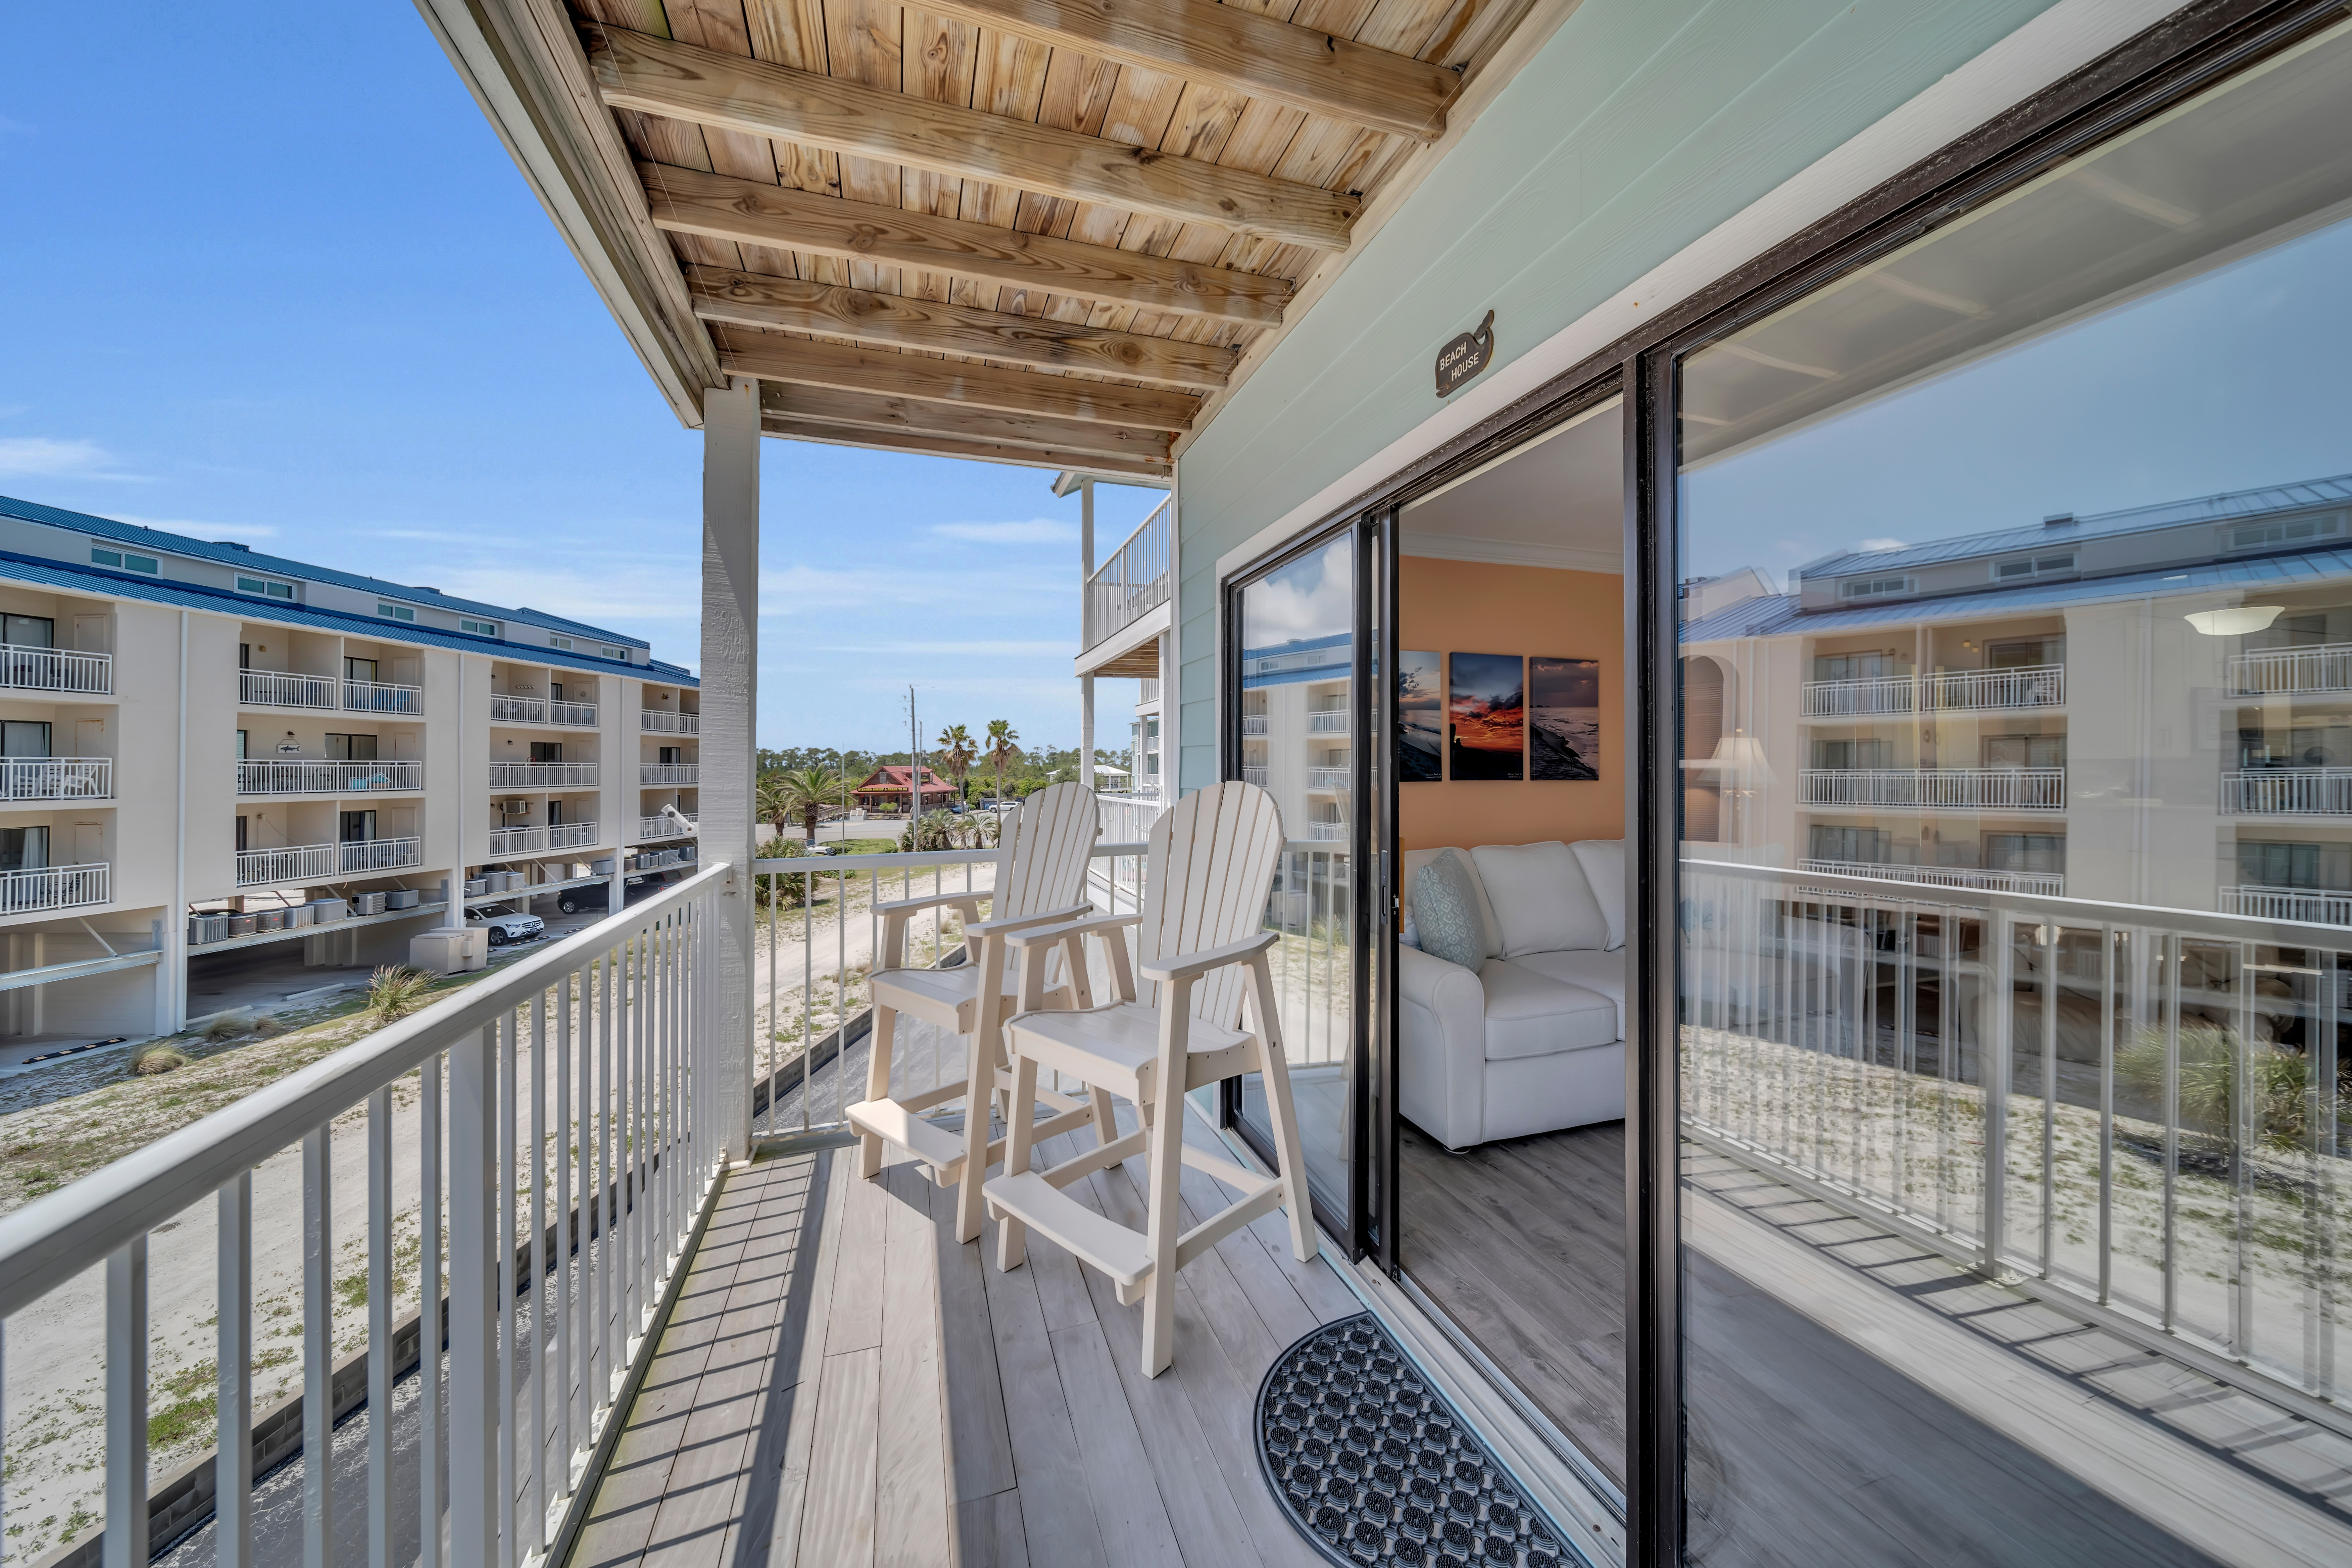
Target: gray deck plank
x=1128 y=1505
x=980 y=1448
x=1057 y=1518
x=911 y=1495
x=789 y=1424
x=988 y=1532
x=856 y=1319
x=838 y=1524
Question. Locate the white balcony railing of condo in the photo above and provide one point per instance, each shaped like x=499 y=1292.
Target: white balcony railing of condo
x=1329 y=779
x=2327 y=668
x=1254 y=773
x=2288 y=792
x=1134 y=582
x=1327 y=832
x=57 y=778
x=381 y=697
x=1936 y=789
x=542 y=775
x=1327 y=721
x=543 y=835
x=25 y=669
x=662 y=721
x=571 y=835
x=1962 y=690
x=2049 y=884
x=1252 y=723
x=2312 y=906
x=509 y=709
x=286 y=775
x=669 y=772
x=56 y=888
x=277 y=688
x=652 y=827
x=579 y=715
x=312 y=862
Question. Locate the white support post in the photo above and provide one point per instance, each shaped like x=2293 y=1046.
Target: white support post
x=1086 y=731
x=731 y=658
x=1086 y=592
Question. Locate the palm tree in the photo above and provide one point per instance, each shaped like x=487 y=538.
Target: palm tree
x=1000 y=751
x=956 y=755
x=799 y=792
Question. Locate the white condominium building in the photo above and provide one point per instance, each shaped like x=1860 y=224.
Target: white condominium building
x=208 y=750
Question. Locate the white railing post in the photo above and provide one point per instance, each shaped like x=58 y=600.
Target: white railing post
x=232 y=1359
x=379 y=1313
x=126 y=1405
x=730 y=649
x=318 y=1348
x=473 y=1292
x=429 y=1313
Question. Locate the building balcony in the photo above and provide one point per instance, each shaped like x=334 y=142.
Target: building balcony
x=54 y=669
x=2288 y=671
x=1136 y=580
x=1254 y=773
x=1935 y=789
x=2287 y=791
x=651 y=773
x=542 y=775
x=277 y=688
x=2312 y=906
x=508 y=710
x=576 y=715
x=546 y=836
x=1252 y=723
x=296 y=776
x=652 y=827
x=1330 y=721
x=56 y=888
x=320 y=862
x=1964 y=691
x=2049 y=884
x=1330 y=781
x=661 y=722
x=382 y=697
x=57 y=778
x=1328 y=832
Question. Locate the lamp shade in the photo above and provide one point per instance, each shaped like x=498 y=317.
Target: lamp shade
x=2235 y=623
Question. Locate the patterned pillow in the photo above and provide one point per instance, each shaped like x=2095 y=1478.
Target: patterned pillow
x=1445 y=912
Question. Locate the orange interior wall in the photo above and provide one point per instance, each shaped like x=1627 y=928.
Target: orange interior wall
x=1470 y=607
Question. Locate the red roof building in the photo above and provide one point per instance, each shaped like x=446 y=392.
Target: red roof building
x=888 y=788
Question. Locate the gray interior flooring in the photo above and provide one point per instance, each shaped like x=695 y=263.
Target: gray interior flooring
x=842 y=1384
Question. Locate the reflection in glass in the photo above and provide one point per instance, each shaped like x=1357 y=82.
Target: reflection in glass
x=1297 y=700
x=2017 y=876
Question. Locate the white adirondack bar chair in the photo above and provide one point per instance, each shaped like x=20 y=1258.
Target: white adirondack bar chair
x=1200 y=949
x=1041 y=874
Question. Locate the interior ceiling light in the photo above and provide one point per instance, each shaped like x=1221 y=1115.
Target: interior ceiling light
x=2235 y=623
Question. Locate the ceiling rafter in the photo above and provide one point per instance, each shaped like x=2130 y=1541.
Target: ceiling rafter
x=772 y=357
x=834 y=435
x=958 y=421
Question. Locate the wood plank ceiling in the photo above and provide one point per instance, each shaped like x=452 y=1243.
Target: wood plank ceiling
x=1036 y=231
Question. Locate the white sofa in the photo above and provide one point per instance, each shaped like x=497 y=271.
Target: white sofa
x=1532 y=1040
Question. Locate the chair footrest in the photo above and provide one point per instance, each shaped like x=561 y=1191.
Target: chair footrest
x=1104 y=1244
x=892 y=1123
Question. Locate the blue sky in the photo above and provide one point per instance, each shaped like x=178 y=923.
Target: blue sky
x=274 y=279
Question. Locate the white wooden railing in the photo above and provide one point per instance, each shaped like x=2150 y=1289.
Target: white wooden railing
x=358 y=854
x=1253 y=723
x=56 y=888
x=1327 y=832
x=296 y=776
x=277 y=688
x=1327 y=721
x=1329 y=779
x=669 y=772
x=1135 y=580
x=1963 y=691
x=55 y=670
x=2048 y=882
x=1256 y=773
x=317 y=862
x=382 y=697
x=562 y=1125
x=649 y=828
x=2290 y=669
x=541 y=835
x=1936 y=789
x=542 y=775
x=1839 y=699
x=662 y=721
x=571 y=835
x=2288 y=792
x=57 y=778
x=2314 y=905
x=508 y=710
x=581 y=715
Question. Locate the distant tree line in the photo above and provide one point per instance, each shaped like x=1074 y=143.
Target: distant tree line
x=800 y=784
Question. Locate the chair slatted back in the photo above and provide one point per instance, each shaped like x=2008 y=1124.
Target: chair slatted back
x=1042 y=856
x=1208 y=870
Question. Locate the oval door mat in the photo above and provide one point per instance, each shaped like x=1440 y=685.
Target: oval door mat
x=1374 y=1466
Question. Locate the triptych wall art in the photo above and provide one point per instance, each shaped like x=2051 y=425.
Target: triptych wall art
x=1498 y=716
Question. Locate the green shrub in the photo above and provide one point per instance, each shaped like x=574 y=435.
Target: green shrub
x=395 y=991
x=149 y=1060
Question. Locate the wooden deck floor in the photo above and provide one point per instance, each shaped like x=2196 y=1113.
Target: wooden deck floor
x=842 y=1384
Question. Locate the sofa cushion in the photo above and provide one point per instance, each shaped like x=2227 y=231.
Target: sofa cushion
x=1603 y=860
x=1445 y=912
x=1528 y=1015
x=1415 y=860
x=1541 y=898
x=1600 y=972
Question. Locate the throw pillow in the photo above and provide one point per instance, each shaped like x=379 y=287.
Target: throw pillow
x=1541 y=898
x=1446 y=913
x=1603 y=860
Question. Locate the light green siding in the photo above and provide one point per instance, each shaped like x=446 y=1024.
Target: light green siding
x=1641 y=126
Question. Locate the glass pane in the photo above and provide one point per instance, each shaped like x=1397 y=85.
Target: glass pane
x=1297 y=720
x=2017 y=872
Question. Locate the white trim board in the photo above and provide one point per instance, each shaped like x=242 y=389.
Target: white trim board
x=2061 y=40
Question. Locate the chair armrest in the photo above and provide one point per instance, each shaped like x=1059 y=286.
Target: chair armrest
x=1008 y=923
x=930 y=900
x=1092 y=925
x=1187 y=965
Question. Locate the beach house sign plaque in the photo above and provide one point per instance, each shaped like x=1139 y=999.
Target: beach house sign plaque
x=1464 y=355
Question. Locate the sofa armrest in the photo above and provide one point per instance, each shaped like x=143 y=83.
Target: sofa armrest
x=1442 y=1041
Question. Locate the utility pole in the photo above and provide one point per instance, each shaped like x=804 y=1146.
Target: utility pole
x=914 y=770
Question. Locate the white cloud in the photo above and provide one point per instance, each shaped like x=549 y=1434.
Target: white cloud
x=618 y=589
x=1881 y=544
x=45 y=456
x=978 y=649
x=1034 y=531
x=195 y=529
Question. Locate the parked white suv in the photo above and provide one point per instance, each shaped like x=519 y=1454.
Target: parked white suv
x=504 y=925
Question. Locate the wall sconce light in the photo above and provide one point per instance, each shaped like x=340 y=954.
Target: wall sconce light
x=2235 y=623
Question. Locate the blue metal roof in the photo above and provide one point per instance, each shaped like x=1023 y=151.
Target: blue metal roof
x=238 y=555
x=46 y=574
x=1774 y=613
x=2228 y=506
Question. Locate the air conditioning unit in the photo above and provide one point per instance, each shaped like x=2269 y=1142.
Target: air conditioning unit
x=270 y=919
x=241 y=925
x=298 y=915
x=325 y=910
x=368 y=904
x=402 y=899
x=601 y=868
x=477 y=886
x=206 y=928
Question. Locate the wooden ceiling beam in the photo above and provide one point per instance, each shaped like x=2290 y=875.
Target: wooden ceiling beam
x=834 y=435
x=894 y=320
x=1238 y=50
x=717 y=207
x=958 y=421
x=887 y=375
x=734 y=92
